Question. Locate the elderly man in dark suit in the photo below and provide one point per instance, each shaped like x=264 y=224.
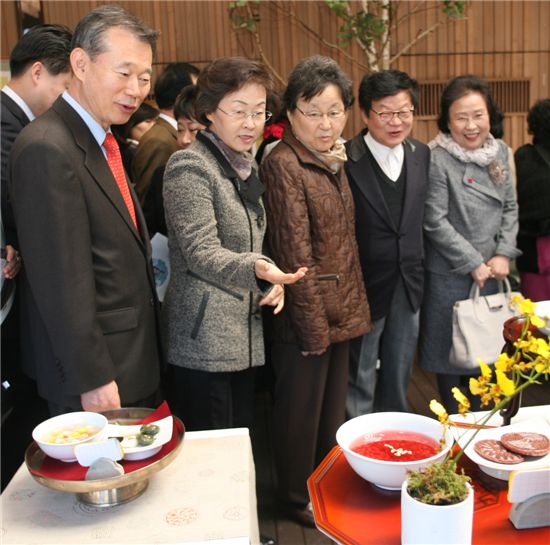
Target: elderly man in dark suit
x=388 y=174
x=88 y=296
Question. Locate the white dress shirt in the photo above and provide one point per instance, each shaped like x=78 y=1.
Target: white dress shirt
x=390 y=160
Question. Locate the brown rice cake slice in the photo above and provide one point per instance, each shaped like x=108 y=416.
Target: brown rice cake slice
x=493 y=450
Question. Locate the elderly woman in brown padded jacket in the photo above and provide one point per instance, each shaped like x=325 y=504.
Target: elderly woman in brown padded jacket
x=310 y=215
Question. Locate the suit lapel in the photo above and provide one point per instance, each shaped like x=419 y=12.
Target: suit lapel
x=360 y=169
x=15 y=109
x=97 y=166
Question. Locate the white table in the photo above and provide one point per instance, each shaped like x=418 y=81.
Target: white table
x=205 y=496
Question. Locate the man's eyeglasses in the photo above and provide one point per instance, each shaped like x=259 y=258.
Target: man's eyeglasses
x=387 y=116
x=317 y=116
x=241 y=115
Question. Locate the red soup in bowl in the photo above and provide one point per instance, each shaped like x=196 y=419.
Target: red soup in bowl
x=395 y=446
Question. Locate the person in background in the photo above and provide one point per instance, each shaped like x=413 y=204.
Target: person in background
x=220 y=276
x=129 y=134
x=192 y=70
x=310 y=214
x=533 y=188
x=470 y=224
x=188 y=127
x=88 y=300
x=159 y=142
x=388 y=174
x=40 y=72
x=273 y=130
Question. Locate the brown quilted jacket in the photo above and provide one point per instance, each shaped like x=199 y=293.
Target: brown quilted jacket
x=310 y=217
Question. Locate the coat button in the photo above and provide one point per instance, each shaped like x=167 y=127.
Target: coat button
x=152 y=302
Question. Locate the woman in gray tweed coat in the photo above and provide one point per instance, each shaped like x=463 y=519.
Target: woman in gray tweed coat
x=470 y=223
x=220 y=277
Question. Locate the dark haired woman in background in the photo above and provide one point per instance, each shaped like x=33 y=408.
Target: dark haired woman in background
x=533 y=175
x=311 y=220
x=219 y=277
x=470 y=222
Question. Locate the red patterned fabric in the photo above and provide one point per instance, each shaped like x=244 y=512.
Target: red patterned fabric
x=115 y=164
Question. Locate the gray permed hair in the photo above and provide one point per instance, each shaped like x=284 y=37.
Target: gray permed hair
x=90 y=30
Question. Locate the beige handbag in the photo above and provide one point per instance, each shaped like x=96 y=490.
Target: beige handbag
x=477 y=326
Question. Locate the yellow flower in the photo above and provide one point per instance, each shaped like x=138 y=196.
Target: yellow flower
x=537 y=321
x=463 y=402
x=439 y=410
x=541 y=347
x=504 y=363
x=485 y=369
x=525 y=306
x=506 y=385
x=477 y=387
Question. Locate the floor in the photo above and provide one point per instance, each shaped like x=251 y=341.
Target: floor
x=422 y=389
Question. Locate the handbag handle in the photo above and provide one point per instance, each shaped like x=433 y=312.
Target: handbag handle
x=503 y=286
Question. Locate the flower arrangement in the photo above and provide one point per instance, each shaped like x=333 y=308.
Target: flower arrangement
x=442 y=483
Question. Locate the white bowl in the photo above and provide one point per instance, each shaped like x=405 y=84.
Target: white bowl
x=65 y=451
x=387 y=474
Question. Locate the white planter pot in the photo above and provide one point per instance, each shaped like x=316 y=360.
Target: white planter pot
x=423 y=524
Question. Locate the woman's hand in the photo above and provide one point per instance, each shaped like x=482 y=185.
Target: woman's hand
x=481 y=274
x=275 y=298
x=13 y=262
x=272 y=274
x=500 y=266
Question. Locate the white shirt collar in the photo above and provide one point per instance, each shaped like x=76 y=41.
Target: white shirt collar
x=19 y=101
x=389 y=159
x=96 y=129
x=170 y=120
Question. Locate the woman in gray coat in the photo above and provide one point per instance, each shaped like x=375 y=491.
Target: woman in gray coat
x=470 y=223
x=219 y=277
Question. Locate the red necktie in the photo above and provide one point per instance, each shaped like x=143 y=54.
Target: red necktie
x=115 y=164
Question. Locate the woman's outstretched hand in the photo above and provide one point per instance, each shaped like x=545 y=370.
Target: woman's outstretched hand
x=271 y=273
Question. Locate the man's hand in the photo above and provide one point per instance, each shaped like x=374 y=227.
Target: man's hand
x=103 y=398
x=13 y=262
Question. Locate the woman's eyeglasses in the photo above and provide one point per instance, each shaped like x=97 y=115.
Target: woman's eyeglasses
x=387 y=116
x=317 y=116
x=241 y=115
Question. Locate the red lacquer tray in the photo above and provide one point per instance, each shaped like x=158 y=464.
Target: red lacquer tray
x=353 y=512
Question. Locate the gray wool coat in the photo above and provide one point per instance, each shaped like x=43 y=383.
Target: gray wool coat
x=210 y=315
x=468 y=219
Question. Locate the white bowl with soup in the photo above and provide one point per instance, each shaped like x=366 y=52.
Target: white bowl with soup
x=383 y=447
x=58 y=436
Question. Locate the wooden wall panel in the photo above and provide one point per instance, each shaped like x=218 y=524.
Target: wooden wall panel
x=499 y=39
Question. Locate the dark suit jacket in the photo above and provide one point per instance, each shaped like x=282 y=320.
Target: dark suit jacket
x=88 y=299
x=387 y=250
x=154 y=149
x=13 y=121
x=533 y=187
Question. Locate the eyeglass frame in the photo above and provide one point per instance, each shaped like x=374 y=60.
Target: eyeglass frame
x=253 y=115
x=398 y=113
x=307 y=115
